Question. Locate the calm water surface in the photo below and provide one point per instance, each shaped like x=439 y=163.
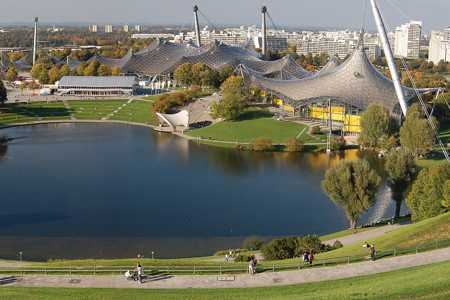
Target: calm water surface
x=77 y=191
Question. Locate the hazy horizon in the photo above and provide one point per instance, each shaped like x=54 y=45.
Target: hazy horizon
x=285 y=13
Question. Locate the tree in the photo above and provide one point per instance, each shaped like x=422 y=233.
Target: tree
x=104 y=70
x=352 y=185
x=401 y=169
x=91 y=69
x=80 y=69
x=53 y=74
x=442 y=67
x=64 y=71
x=11 y=75
x=3 y=93
x=37 y=70
x=43 y=77
x=375 y=126
x=183 y=74
x=115 y=71
x=429 y=192
x=229 y=107
x=416 y=134
x=294 y=145
x=196 y=72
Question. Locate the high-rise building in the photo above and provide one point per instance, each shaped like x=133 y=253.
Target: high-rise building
x=108 y=28
x=126 y=28
x=137 y=28
x=93 y=28
x=407 y=40
x=440 y=46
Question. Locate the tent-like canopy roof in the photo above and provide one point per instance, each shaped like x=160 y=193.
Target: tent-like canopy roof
x=356 y=82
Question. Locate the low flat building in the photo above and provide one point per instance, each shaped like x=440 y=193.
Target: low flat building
x=97 y=85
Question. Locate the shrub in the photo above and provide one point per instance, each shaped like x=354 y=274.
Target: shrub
x=338 y=143
x=337 y=245
x=290 y=247
x=315 y=130
x=262 y=144
x=252 y=243
x=294 y=145
x=243 y=258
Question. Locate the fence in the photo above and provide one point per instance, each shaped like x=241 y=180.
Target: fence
x=229 y=268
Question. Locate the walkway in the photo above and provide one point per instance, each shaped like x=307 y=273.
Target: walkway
x=361 y=237
x=241 y=281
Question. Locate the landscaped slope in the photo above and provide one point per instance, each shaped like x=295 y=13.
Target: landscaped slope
x=429 y=282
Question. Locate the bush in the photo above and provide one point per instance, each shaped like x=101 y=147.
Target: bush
x=337 y=245
x=243 y=258
x=252 y=243
x=262 y=144
x=167 y=102
x=294 y=145
x=338 y=143
x=290 y=247
x=315 y=130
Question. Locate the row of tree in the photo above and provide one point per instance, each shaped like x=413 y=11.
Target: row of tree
x=201 y=75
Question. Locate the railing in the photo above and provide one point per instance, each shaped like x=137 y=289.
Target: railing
x=229 y=268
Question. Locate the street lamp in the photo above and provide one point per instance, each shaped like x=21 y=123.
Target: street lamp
x=153 y=255
x=20 y=256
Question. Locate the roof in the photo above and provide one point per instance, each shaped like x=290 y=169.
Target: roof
x=98 y=81
x=355 y=82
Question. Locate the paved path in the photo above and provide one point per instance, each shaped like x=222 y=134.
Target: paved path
x=367 y=235
x=242 y=281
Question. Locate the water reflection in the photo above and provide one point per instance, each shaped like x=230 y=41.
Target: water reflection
x=105 y=185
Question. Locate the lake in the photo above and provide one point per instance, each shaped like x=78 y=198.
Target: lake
x=109 y=190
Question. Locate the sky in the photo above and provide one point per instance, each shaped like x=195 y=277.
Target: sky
x=295 y=13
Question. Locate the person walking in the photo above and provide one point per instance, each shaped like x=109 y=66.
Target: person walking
x=311 y=257
x=140 y=272
x=373 y=252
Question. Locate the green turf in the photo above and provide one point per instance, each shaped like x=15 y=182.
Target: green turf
x=137 y=111
x=254 y=125
x=413 y=235
x=428 y=282
x=343 y=233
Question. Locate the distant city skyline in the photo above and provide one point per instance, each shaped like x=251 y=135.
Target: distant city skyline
x=292 y=13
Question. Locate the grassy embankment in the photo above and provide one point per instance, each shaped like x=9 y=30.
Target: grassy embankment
x=428 y=282
x=407 y=237
x=136 y=111
x=252 y=125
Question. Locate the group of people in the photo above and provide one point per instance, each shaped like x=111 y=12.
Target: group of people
x=373 y=252
x=308 y=257
x=252 y=265
x=137 y=274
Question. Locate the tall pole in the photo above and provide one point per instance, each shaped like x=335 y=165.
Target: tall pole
x=35 y=41
x=197 y=27
x=389 y=56
x=264 y=31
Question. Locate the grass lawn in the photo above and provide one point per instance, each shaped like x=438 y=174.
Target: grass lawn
x=256 y=124
x=21 y=113
x=413 y=235
x=343 y=233
x=428 y=282
x=137 y=111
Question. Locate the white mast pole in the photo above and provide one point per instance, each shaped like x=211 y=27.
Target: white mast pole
x=389 y=56
x=264 y=31
x=197 y=27
x=35 y=41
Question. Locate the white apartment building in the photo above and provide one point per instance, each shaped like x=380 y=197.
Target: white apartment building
x=137 y=28
x=108 y=28
x=93 y=28
x=340 y=48
x=407 y=40
x=126 y=28
x=439 y=46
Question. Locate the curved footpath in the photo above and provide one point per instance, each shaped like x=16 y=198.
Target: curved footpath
x=241 y=281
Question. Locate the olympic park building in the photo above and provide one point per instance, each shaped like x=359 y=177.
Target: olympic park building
x=339 y=92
